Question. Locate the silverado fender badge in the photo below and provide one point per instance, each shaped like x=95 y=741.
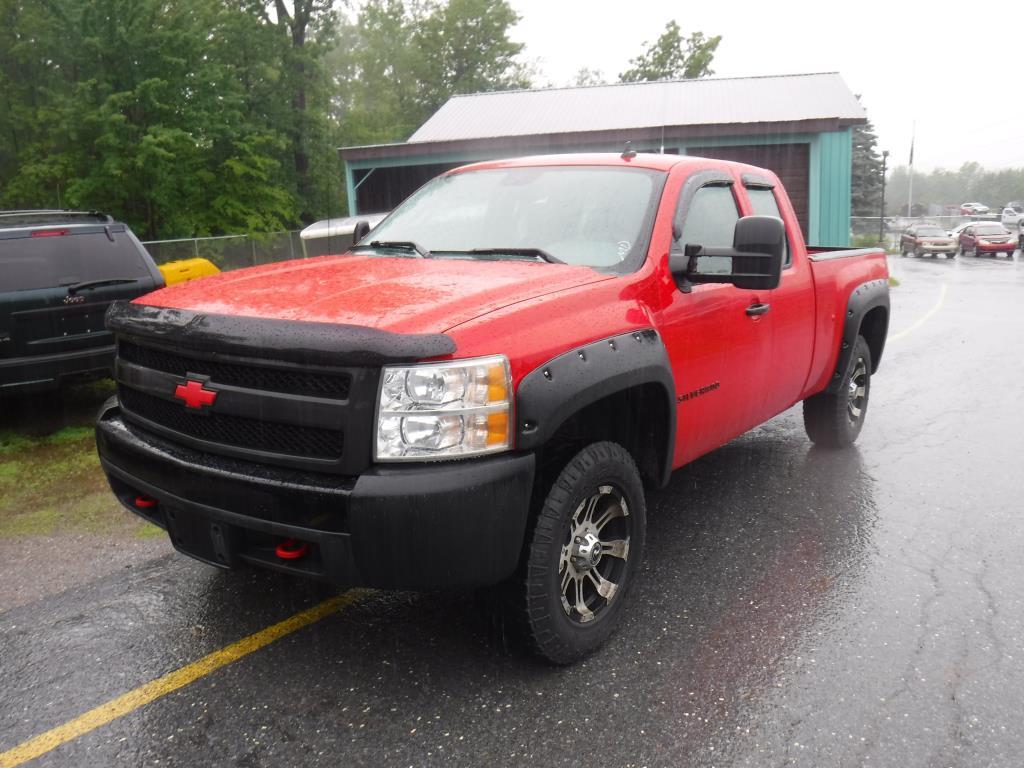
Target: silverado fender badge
x=195 y=394
x=698 y=392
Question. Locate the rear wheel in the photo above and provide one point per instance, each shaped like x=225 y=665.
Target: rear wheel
x=833 y=420
x=584 y=554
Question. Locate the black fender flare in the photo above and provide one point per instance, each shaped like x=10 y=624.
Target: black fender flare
x=556 y=390
x=865 y=297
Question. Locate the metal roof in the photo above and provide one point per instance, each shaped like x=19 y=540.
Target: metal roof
x=707 y=101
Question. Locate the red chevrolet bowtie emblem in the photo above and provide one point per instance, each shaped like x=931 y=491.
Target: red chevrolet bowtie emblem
x=195 y=394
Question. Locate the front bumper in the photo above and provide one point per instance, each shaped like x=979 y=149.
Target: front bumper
x=40 y=372
x=410 y=527
x=997 y=247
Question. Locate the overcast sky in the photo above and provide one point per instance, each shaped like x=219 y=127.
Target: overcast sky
x=953 y=70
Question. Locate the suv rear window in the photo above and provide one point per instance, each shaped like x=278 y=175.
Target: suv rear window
x=28 y=263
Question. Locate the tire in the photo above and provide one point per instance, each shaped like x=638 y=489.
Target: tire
x=598 y=494
x=903 y=251
x=833 y=420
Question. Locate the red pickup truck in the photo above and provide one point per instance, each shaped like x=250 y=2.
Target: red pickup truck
x=477 y=393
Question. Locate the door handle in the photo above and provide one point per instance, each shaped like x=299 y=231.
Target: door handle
x=755 y=310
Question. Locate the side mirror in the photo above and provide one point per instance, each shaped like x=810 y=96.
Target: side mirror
x=754 y=262
x=361 y=230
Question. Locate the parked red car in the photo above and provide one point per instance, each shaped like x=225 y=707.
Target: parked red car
x=987 y=237
x=920 y=239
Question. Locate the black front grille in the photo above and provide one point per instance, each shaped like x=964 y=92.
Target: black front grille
x=250 y=434
x=314 y=384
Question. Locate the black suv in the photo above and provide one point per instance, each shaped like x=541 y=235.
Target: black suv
x=59 y=271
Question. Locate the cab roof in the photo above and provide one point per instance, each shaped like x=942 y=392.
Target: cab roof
x=639 y=160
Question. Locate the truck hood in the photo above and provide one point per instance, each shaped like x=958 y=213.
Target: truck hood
x=402 y=295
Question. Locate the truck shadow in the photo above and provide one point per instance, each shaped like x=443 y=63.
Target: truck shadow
x=43 y=413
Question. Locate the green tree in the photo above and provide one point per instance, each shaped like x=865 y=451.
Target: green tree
x=307 y=28
x=866 y=185
x=941 y=189
x=397 y=63
x=180 y=118
x=673 y=57
x=465 y=48
x=585 y=76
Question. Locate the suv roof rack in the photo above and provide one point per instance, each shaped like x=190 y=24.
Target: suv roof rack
x=28 y=218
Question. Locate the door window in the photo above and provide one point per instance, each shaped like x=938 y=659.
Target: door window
x=762 y=199
x=711 y=221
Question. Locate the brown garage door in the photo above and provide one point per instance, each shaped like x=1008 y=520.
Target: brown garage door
x=790 y=162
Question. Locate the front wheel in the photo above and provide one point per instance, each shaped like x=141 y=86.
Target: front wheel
x=584 y=553
x=833 y=420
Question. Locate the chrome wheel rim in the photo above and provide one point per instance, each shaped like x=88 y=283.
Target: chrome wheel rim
x=594 y=555
x=857 y=391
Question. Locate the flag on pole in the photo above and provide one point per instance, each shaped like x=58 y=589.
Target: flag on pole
x=911 y=150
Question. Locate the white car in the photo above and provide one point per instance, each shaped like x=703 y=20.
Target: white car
x=955 y=231
x=973 y=209
x=1011 y=218
x=332 y=236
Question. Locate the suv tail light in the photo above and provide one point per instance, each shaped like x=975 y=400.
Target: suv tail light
x=49 y=232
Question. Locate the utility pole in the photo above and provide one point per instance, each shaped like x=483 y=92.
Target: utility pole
x=910 y=190
x=881 y=211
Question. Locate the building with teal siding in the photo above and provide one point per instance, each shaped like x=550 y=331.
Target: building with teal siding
x=799 y=126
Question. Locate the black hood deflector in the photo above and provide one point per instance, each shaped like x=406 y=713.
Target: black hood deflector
x=294 y=341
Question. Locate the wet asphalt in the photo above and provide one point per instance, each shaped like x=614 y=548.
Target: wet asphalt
x=797 y=607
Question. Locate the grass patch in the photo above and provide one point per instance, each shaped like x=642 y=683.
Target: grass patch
x=149 y=531
x=54 y=484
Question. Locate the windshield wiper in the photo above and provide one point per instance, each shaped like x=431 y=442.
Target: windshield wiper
x=406 y=245
x=536 y=253
x=97 y=283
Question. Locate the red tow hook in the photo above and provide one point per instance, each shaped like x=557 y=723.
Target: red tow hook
x=144 y=502
x=290 y=549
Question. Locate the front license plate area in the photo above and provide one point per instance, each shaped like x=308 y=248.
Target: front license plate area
x=210 y=541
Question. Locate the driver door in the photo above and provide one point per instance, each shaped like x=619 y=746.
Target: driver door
x=719 y=345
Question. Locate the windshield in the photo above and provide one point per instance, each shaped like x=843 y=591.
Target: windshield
x=991 y=229
x=596 y=217
x=28 y=263
x=931 y=232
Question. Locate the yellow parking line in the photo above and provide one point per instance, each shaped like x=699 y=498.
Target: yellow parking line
x=172 y=681
x=925 y=317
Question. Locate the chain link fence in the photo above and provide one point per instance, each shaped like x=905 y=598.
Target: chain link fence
x=230 y=251
x=873 y=230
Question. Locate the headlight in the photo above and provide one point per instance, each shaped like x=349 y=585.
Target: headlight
x=444 y=410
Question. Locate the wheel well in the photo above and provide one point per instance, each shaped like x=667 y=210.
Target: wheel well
x=874 y=328
x=637 y=418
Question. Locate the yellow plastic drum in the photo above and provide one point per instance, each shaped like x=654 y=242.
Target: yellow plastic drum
x=187 y=269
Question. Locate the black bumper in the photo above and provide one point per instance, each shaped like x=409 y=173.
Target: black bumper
x=408 y=527
x=41 y=372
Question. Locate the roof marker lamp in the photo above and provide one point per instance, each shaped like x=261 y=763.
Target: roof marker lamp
x=446 y=410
